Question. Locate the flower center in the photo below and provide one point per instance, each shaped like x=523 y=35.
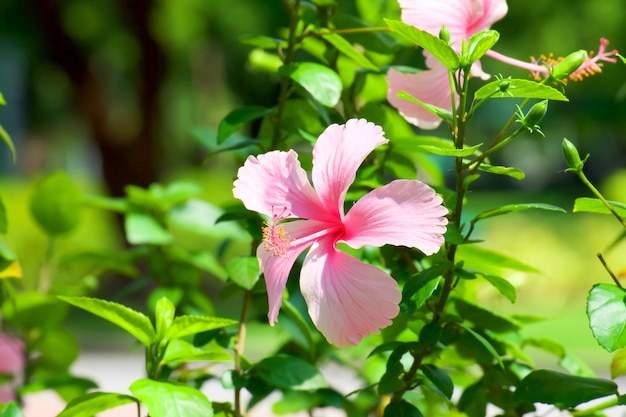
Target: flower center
x=275 y=239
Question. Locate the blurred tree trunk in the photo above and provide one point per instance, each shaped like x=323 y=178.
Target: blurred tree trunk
x=126 y=159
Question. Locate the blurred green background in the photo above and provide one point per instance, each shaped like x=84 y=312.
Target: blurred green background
x=111 y=92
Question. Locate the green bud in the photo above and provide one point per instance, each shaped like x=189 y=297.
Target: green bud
x=569 y=65
x=444 y=34
x=504 y=85
x=572 y=157
x=535 y=114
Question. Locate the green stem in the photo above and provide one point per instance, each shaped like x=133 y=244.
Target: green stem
x=591 y=411
x=606 y=266
x=600 y=197
x=239 y=346
x=285 y=82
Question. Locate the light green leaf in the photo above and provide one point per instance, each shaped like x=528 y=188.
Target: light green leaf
x=502 y=285
x=7 y=257
x=451 y=150
x=510 y=208
x=562 y=390
x=437 y=47
x=7 y=140
x=189 y=325
x=519 y=88
x=479 y=258
x=618 y=363
x=478 y=45
x=442 y=113
x=169 y=399
x=237 y=118
x=606 y=309
x=244 y=271
x=56 y=204
x=144 y=229
x=4 y=221
x=348 y=49
x=516 y=173
x=321 y=82
x=290 y=372
x=263 y=42
x=10 y=409
x=164 y=317
x=134 y=322
x=178 y=351
x=95 y=402
x=594 y=205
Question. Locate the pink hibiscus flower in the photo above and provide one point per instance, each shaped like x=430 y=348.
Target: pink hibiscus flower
x=12 y=363
x=346 y=298
x=463 y=18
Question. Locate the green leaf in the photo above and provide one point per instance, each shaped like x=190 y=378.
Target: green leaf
x=348 y=49
x=606 y=309
x=263 y=42
x=290 y=372
x=451 y=150
x=437 y=47
x=512 y=172
x=321 y=82
x=479 y=258
x=442 y=113
x=420 y=287
x=10 y=409
x=478 y=45
x=142 y=228
x=4 y=221
x=164 y=317
x=518 y=88
x=485 y=343
x=439 y=378
x=169 y=399
x=189 y=325
x=502 y=285
x=594 y=205
x=484 y=318
x=95 y=402
x=56 y=203
x=237 y=118
x=562 y=390
x=7 y=140
x=244 y=271
x=402 y=409
x=618 y=363
x=179 y=351
x=510 y=208
x=7 y=257
x=134 y=322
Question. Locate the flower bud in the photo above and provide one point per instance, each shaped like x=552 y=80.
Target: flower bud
x=504 y=85
x=569 y=64
x=535 y=114
x=572 y=156
x=444 y=34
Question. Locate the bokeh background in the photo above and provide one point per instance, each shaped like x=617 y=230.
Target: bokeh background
x=115 y=93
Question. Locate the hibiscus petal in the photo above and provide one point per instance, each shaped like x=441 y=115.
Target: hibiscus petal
x=431 y=86
x=347 y=299
x=276 y=268
x=402 y=213
x=275 y=184
x=463 y=18
x=337 y=155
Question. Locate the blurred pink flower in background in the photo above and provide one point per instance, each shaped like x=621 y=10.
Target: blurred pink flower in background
x=12 y=363
x=346 y=298
x=463 y=18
